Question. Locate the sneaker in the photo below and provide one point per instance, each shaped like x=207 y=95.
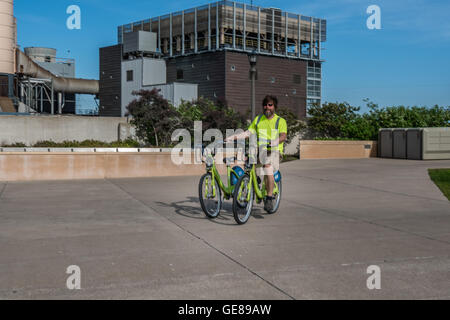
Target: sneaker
x=268 y=204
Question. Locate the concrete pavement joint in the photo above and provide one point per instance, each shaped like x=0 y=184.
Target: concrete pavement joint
x=207 y=243
x=3 y=189
x=306 y=267
x=371 y=188
x=335 y=212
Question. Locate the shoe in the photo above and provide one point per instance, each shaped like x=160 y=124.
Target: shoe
x=268 y=204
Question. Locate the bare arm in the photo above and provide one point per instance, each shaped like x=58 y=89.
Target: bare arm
x=280 y=140
x=240 y=136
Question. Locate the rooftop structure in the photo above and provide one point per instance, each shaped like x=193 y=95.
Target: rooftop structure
x=227 y=25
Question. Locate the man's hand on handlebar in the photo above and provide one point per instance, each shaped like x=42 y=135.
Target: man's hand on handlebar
x=230 y=139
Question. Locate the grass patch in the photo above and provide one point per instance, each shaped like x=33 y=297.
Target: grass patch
x=441 y=177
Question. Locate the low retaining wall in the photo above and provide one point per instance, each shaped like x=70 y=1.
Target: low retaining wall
x=315 y=149
x=32 y=129
x=30 y=166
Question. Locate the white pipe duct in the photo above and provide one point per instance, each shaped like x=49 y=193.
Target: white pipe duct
x=30 y=68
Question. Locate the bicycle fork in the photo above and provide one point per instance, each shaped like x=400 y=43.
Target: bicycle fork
x=213 y=187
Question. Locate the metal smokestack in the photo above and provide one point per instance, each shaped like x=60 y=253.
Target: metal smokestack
x=7 y=37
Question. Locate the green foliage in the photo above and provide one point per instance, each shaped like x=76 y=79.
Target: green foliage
x=342 y=121
x=15 y=145
x=214 y=116
x=129 y=143
x=294 y=125
x=154 y=118
x=330 y=119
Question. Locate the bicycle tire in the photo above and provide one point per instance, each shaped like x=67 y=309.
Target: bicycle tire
x=237 y=206
x=278 y=198
x=215 y=213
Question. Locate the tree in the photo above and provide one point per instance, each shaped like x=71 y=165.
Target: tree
x=213 y=116
x=154 y=117
x=342 y=121
x=294 y=125
x=330 y=119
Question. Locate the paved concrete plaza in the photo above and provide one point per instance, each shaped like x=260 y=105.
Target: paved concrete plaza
x=148 y=238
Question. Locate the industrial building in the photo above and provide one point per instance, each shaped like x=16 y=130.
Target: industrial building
x=206 y=49
x=35 y=81
x=32 y=93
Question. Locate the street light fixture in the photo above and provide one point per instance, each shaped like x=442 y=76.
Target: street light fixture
x=253 y=59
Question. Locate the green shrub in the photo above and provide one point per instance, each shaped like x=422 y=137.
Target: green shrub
x=129 y=143
x=342 y=121
x=154 y=118
x=213 y=115
x=331 y=119
x=294 y=125
x=15 y=145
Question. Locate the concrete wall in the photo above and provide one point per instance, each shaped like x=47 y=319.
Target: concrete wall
x=71 y=166
x=312 y=149
x=32 y=129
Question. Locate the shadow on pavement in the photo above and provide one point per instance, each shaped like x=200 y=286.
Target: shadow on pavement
x=186 y=209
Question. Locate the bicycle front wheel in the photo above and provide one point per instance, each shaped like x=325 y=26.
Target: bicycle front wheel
x=210 y=196
x=243 y=199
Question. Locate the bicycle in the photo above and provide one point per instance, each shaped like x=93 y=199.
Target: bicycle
x=210 y=186
x=247 y=187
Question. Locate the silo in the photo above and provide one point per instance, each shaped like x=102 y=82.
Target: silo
x=7 y=37
x=38 y=54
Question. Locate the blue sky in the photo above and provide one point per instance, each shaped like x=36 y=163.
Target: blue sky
x=407 y=62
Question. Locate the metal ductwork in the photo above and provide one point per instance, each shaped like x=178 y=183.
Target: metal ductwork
x=7 y=37
x=28 y=67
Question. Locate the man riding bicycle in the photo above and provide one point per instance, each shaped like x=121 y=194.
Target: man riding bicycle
x=271 y=132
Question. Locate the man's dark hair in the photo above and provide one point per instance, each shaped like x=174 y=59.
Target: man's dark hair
x=270 y=98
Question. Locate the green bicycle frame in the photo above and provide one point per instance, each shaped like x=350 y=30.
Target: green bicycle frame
x=227 y=190
x=260 y=193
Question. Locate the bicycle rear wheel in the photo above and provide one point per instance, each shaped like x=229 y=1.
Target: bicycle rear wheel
x=210 y=196
x=243 y=199
x=277 y=199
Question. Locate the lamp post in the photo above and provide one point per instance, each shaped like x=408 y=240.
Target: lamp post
x=253 y=59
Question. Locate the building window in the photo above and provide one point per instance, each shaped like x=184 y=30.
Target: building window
x=297 y=79
x=129 y=75
x=180 y=74
x=272 y=80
